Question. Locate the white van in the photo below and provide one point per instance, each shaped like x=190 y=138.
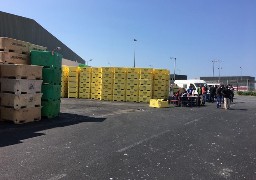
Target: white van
x=194 y=82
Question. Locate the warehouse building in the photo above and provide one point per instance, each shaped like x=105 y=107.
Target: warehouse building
x=240 y=83
x=29 y=30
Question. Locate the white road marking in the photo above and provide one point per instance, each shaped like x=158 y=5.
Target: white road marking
x=142 y=141
x=59 y=176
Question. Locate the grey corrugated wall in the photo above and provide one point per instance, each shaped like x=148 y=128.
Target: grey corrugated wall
x=29 y=30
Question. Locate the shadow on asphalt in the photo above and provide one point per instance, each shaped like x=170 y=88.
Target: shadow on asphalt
x=11 y=134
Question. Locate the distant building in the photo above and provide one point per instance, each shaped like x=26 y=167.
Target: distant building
x=29 y=30
x=177 y=77
x=242 y=83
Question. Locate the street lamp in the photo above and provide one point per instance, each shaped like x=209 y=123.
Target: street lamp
x=219 y=68
x=214 y=61
x=134 y=40
x=241 y=72
x=174 y=67
x=88 y=62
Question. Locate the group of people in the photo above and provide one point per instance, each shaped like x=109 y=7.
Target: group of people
x=220 y=94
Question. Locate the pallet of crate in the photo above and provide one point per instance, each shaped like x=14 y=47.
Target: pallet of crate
x=85 y=76
x=20 y=98
x=145 y=84
x=73 y=82
x=161 y=83
x=107 y=83
x=14 y=51
x=51 y=87
x=64 y=81
x=132 y=85
x=119 y=84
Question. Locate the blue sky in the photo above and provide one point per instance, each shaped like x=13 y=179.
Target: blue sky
x=194 y=31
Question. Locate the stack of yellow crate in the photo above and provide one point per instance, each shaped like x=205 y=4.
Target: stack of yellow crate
x=145 y=84
x=85 y=82
x=107 y=83
x=161 y=83
x=132 y=84
x=64 y=81
x=96 y=83
x=73 y=81
x=119 y=84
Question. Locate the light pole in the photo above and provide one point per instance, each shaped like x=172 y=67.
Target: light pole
x=219 y=68
x=88 y=62
x=134 y=40
x=241 y=72
x=174 y=67
x=109 y=64
x=214 y=61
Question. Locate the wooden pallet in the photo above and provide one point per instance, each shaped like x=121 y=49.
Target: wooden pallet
x=20 y=101
x=21 y=116
x=36 y=47
x=11 y=71
x=14 y=45
x=20 y=86
x=13 y=58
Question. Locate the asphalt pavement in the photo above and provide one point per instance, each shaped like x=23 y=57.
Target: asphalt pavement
x=116 y=140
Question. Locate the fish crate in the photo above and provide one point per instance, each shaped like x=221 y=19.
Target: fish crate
x=20 y=116
x=120 y=70
x=20 y=86
x=146 y=76
x=119 y=98
x=131 y=76
x=14 y=45
x=146 y=70
x=14 y=58
x=50 y=109
x=133 y=71
x=51 y=92
x=46 y=59
x=52 y=75
x=132 y=98
x=106 y=97
x=158 y=103
x=14 y=71
x=20 y=101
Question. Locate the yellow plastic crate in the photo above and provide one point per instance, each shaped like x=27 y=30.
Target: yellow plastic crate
x=106 y=98
x=118 y=98
x=146 y=70
x=119 y=86
x=72 y=84
x=145 y=93
x=161 y=71
x=119 y=76
x=133 y=76
x=133 y=70
x=146 y=76
x=144 y=82
x=145 y=88
x=144 y=99
x=132 y=92
x=73 y=69
x=130 y=98
x=84 y=96
x=72 y=95
x=158 y=103
x=120 y=70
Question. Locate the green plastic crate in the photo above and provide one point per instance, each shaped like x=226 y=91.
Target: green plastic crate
x=46 y=58
x=51 y=92
x=50 y=109
x=52 y=76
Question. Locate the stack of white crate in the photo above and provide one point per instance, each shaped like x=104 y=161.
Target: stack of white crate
x=20 y=93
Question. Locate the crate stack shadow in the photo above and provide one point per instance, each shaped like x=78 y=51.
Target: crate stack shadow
x=51 y=87
x=20 y=93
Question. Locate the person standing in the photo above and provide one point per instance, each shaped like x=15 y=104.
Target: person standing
x=219 y=95
x=212 y=93
x=226 y=92
x=204 y=92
